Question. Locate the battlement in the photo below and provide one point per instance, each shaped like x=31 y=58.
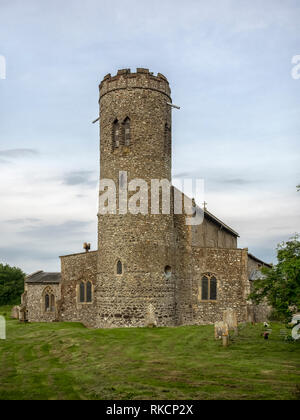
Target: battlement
x=142 y=79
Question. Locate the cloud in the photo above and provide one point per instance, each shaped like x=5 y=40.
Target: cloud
x=39 y=245
x=60 y=230
x=211 y=178
x=23 y=220
x=31 y=258
x=79 y=178
x=236 y=181
x=17 y=153
x=13 y=253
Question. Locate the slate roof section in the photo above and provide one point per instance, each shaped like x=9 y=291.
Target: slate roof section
x=40 y=277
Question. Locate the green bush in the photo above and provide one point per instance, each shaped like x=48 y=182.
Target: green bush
x=11 y=284
x=276 y=316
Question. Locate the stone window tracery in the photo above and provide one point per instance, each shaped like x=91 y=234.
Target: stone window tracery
x=48 y=300
x=208 y=287
x=85 y=292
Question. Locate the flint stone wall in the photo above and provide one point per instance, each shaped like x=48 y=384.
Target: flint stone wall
x=36 y=303
x=229 y=266
x=74 y=269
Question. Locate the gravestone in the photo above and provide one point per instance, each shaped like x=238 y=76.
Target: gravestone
x=22 y=313
x=150 y=319
x=2 y=328
x=15 y=312
x=230 y=318
x=221 y=329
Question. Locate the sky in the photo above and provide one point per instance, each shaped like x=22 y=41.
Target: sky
x=229 y=64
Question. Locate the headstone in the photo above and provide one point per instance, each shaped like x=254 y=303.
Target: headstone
x=221 y=329
x=22 y=313
x=230 y=317
x=15 y=312
x=225 y=340
x=2 y=328
x=150 y=319
x=250 y=314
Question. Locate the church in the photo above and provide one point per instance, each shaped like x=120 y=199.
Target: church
x=150 y=268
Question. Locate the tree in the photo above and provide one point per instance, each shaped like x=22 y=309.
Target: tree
x=11 y=284
x=298 y=187
x=280 y=285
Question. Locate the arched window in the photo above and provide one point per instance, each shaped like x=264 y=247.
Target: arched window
x=89 y=291
x=52 y=303
x=47 y=302
x=208 y=287
x=204 y=292
x=168 y=271
x=127 y=131
x=85 y=293
x=119 y=268
x=213 y=288
x=116 y=134
x=167 y=139
x=82 y=292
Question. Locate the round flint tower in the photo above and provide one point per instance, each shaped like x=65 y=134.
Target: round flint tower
x=135 y=284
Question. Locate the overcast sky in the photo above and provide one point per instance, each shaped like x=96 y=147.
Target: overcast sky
x=229 y=64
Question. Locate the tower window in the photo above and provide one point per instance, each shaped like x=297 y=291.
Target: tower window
x=119 y=268
x=127 y=131
x=116 y=134
x=208 y=287
x=167 y=139
x=168 y=271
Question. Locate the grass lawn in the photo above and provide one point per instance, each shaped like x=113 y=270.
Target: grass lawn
x=68 y=361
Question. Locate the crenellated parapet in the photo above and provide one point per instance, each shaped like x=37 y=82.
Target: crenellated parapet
x=142 y=79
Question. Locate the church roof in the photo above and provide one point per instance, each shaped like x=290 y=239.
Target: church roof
x=213 y=218
x=40 y=277
x=209 y=216
x=253 y=257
